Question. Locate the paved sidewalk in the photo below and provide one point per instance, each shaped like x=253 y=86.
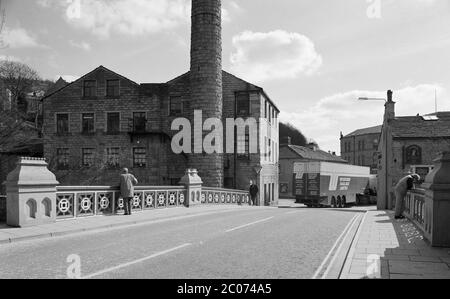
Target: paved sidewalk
x=386 y=248
x=79 y=225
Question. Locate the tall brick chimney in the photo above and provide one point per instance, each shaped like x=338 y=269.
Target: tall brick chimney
x=206 y=80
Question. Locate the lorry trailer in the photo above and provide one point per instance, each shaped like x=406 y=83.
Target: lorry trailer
x=326 y=184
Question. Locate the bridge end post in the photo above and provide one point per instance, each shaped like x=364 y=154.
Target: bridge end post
x=193 y=183
x=31 y=194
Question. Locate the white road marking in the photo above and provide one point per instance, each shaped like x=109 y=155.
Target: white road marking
x=249 y=224
x=319 y=270
x=330 y=265
x=137 y=261
x=292 y=212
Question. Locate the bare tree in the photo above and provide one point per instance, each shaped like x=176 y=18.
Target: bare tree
x=18 y=78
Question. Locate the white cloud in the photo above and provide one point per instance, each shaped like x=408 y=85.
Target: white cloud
x=325 y=120
x=15 y=38
x=273 y=55
x=129 y=17
x=10 y=58
x=80 y=45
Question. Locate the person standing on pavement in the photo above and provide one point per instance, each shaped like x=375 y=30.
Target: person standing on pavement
x=127 y=183
x=254 y=190
x=400 y=190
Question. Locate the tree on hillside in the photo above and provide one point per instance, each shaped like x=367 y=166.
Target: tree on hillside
x=297 y=137
x=18 y=78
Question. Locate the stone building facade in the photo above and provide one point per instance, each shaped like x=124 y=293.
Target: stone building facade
x=104 y=121
x=361 y=147
x=408 y=144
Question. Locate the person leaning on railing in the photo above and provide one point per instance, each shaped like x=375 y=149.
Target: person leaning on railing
x=400 y=190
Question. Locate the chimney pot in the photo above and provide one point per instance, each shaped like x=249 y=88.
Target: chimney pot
x=390 y=94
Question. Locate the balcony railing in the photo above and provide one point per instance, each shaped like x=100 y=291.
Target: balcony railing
x=418 y=209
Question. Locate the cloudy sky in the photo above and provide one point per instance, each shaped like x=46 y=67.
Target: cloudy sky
x=314 y=58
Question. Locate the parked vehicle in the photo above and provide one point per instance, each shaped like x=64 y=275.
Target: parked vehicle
x=325 y=184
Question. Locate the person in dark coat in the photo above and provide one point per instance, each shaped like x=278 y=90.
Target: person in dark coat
x=400 y=190
x=254 y=190
x=127 y=183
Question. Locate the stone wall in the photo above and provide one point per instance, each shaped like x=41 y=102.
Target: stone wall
x=367 y=156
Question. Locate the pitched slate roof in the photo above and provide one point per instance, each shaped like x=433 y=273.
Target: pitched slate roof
x=82 y=78
x=366 y=131
x=422 y=127
x=315 y=155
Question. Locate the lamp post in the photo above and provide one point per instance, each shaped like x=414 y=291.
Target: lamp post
x=385 y=148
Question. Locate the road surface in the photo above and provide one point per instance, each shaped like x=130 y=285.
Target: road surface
x=248 y=243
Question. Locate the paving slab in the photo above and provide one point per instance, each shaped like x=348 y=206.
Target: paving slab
x=402 y=250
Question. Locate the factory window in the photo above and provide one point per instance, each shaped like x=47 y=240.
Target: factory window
x=113 y=157
x=113 y=88
x=176 y=106
x=62 y=158
x=62 y=123
x=88 y=157
x=243 y=104
x=89 y=88
x=139 y=122
x=113 y=122
x=87 y=120
x=243 y=144
x=140 y=157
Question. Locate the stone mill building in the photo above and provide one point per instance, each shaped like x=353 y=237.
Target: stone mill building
x=103 y=122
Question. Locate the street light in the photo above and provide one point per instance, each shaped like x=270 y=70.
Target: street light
x=384 y=150
x=372 y=99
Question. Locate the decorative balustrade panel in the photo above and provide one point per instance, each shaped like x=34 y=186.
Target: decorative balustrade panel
x=146 y=199
x=65 y=205
x=418 y=209
x=74 y=202
x=224 y=196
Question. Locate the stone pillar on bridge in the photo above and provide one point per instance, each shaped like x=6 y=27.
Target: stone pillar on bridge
x=31 y=194
x=193 y=184
x=437 y=192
